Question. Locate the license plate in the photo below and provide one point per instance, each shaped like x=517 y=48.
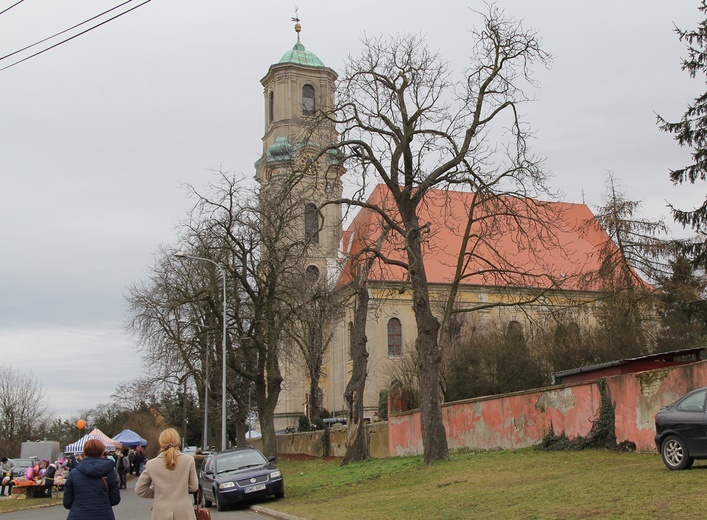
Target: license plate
x=253 y=489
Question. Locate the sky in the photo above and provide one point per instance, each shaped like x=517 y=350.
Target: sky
x=100 y=135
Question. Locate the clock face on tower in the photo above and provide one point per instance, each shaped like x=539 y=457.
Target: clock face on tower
x=306 y=163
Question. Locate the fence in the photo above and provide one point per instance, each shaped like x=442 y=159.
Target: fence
x=522 y=419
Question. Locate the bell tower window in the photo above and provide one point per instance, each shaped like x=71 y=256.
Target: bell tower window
x=311 y=223
x=308 y=105
x=271 y=107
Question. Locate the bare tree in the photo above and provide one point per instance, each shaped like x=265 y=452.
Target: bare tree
x=253 y=235
x=24 y=409
x=405 y=121
x=309 y=330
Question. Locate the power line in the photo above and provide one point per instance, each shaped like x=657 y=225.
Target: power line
x=13 y=5
x=75 y=36
x=65 y=30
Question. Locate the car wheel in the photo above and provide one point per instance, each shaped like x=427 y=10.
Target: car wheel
x=280 y=494
x=219 y=502
x=675 y=454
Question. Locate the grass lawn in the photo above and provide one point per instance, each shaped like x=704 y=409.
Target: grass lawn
x=14 y=504
x=527 y=484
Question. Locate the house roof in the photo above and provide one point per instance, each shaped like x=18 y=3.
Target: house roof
x=518 y=242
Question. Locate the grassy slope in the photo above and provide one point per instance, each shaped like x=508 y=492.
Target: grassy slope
x=528 y=484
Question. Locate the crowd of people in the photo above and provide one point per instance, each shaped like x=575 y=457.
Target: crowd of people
x=91 y=481
x=45 y=476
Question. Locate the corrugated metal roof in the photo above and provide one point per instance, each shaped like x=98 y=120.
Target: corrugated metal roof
x=618 y=362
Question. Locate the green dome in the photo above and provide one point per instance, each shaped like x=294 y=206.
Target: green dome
x=299 y=56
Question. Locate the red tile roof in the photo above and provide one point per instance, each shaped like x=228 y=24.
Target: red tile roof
x=515 y=242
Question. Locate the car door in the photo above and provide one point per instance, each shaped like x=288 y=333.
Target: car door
x=690 y=422
x=206 y=478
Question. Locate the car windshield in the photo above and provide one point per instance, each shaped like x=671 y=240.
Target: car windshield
x=239 y=460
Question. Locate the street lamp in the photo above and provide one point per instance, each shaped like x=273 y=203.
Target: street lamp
x=180 y=254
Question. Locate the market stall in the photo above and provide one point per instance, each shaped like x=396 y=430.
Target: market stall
x=129 y=438
x=77 y=447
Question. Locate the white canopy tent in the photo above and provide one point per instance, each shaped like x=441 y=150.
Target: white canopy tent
x=77 y=447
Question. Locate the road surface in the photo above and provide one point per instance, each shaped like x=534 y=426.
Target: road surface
x=131 y=507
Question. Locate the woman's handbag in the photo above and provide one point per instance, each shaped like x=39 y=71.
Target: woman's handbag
x=201 y=512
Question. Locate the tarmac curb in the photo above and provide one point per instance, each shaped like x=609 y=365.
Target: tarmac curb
x=274 y=514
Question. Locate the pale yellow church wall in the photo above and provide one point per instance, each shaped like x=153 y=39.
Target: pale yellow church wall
x=386 y=304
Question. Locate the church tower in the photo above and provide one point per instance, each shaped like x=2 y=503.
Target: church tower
x=297 y=91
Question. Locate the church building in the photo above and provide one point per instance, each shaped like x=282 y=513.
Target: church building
x=555 y=270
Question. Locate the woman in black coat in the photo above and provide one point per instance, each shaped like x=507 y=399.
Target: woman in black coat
x=91 y=489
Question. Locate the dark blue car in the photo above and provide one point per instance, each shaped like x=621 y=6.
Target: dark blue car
x=233 y=476
x=681 y=430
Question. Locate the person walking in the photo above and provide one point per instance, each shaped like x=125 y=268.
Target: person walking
x=168 y=479
x=123 y=466
x=91 y=489
x=138 y=461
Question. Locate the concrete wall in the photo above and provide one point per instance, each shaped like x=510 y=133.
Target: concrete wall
x=522 y=419
x=310 y=443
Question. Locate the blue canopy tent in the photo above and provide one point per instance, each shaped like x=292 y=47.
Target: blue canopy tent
x=130 y=438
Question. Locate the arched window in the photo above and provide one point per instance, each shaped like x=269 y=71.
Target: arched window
x=308 y=104
x=514 y=335
x=271 y=107
x=312 y=273
x=311 y=223
x=514 y=327
x=395 y=337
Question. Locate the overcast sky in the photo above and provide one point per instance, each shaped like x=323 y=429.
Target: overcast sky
x=99 y=135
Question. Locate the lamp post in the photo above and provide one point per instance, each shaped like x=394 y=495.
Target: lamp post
x=223 y=367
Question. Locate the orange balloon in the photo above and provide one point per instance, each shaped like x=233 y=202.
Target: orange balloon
x=80 y=424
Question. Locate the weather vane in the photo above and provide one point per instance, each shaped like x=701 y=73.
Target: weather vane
x=295 y=19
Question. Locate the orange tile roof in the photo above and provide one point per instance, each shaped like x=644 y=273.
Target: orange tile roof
x=515 y=242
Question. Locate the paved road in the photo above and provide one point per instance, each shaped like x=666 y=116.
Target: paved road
x=131 y=507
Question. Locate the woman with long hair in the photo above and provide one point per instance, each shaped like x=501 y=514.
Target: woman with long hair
x=168 y=479
x=91 y=489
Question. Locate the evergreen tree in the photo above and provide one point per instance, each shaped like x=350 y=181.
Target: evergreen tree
x=691 y=131
x=684 y=309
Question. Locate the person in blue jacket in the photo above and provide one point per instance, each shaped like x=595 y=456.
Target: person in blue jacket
x=91 y=489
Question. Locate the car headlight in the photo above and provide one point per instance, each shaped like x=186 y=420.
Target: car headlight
x=227 y=485
x=276 y=474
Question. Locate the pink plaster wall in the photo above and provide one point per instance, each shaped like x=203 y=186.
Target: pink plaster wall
x=521 y=419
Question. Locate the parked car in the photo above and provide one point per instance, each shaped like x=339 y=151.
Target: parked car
x=681 y=430
x=21 y=466
x=232 y=476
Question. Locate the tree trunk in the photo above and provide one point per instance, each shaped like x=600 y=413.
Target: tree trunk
x=267 y=401
x=356 y=437
x=268 y=386
x=434 y=436
x=315 y=368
